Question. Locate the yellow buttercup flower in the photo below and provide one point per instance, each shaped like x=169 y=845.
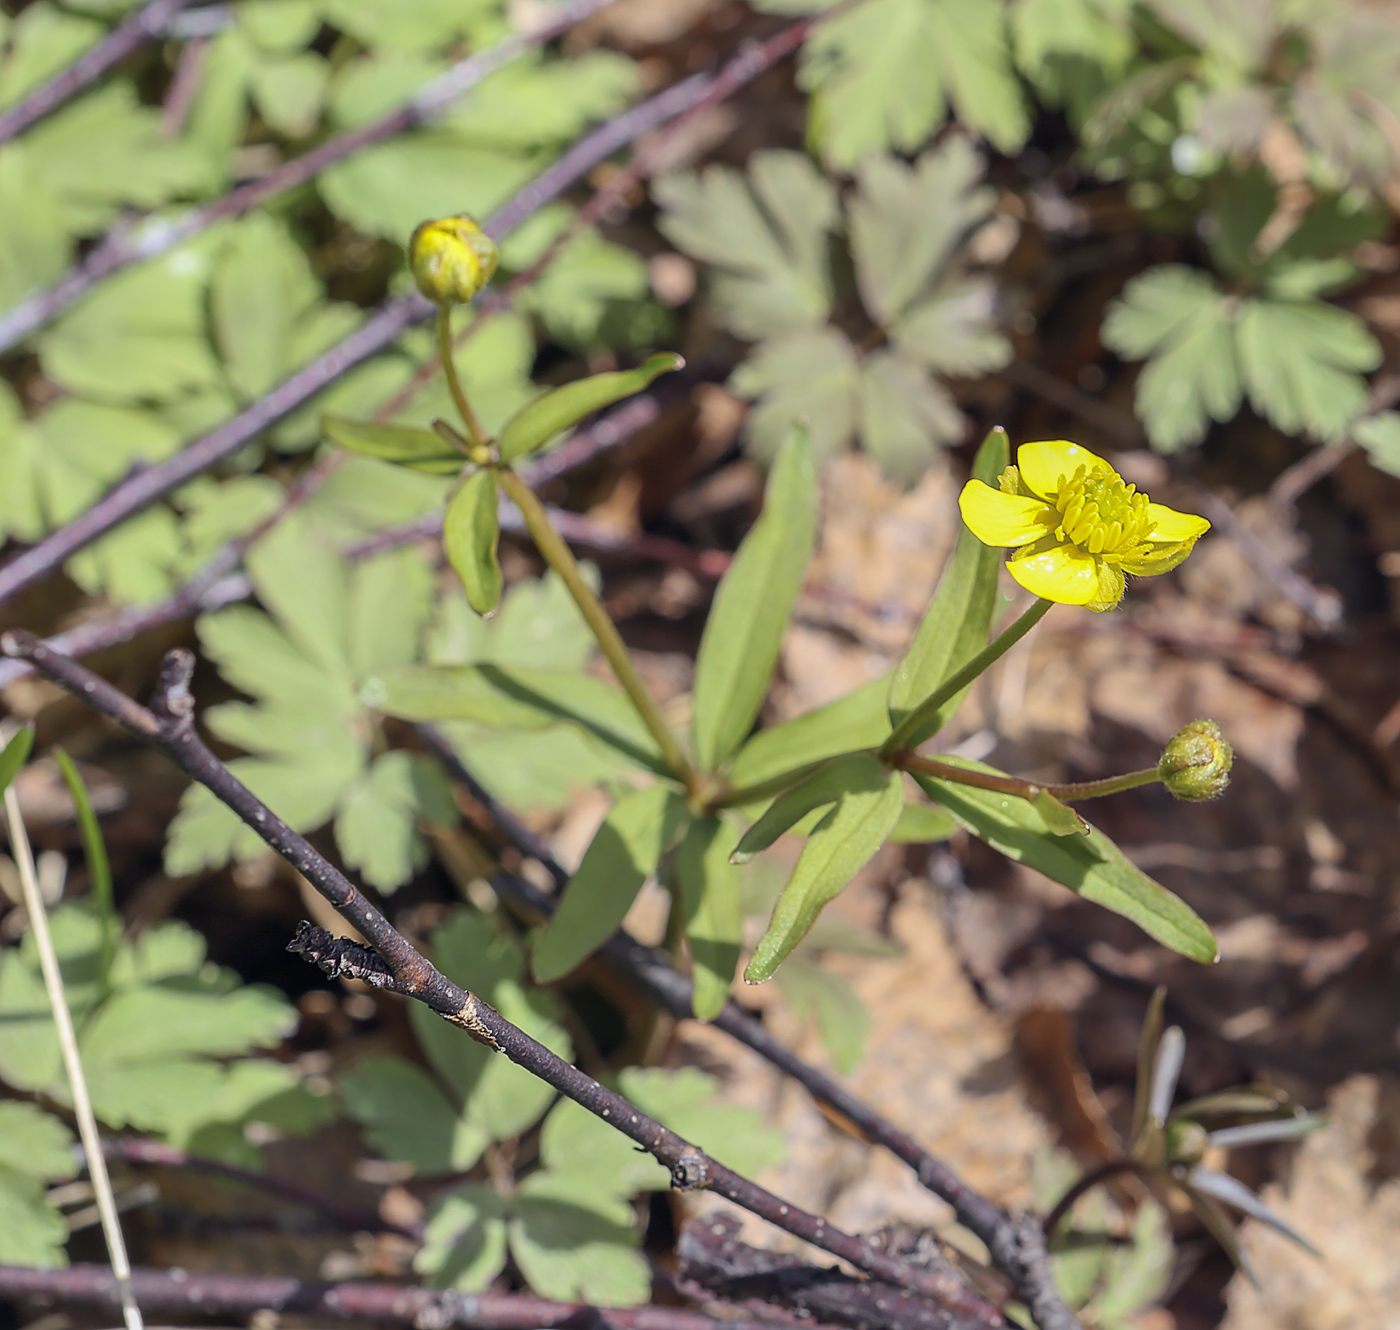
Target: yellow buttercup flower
x=1080 y=526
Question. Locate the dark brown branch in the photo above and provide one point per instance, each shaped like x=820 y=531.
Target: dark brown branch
x=421 y=1308
x=143 y=1150
x=169 y=727
x=153 y=237
x=1016 y=1241
x=715 y=1264
x=148 y=22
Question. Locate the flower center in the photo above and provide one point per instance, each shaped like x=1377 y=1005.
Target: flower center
x=1100 y=512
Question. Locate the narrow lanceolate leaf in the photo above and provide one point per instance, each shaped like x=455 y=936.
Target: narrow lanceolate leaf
x=842 y=843
x=13 y=758
x=954 y=629
x=745 y=629
x=1090 y=865
x=420 y=449
x=923 y=824
x=514 y=697
x=624 y=852
x=714 y=913
x=95 y=852
x=534 y=425
x=823 y=787
x=470 y=530
x=780 y=754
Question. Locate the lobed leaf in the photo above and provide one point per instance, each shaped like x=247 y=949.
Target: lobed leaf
x=955 y=625
x=842 y=843
x=623 y=853
x=536 y=424
x=1090 y=865
x=744 y=632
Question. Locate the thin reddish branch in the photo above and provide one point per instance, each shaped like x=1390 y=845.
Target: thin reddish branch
x=442 y=1309
x=169 y=726
x=146 y=24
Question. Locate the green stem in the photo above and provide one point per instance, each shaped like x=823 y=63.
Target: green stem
x=561 y=558
x=929 y=707
x=449 y=367
x=1016 y=785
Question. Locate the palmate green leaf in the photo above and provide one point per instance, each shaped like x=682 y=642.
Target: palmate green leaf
x=34 y=1143
x=1379 y=435
x=766 y=236
x=906 y=221
x=884 y=77
x=1302 y=363
x=1176 y=317
x=823 y=787
x=623 y=853
x=406 y=1116
x=134 y=564
x=32 y=1232
x=812 y=374
x=162 y=1022
x=783 y=753
x=904 y=415
x=470 y=532
x=574 y=1243
x=40 y=41
x=841 y=844
x=537 y=770
x=539 y=624
x=955 y=626
x=290 y=92
x=534 y=426
x=420 y=449
x=744 y=632
x=464 y=1240
x=34 y=245
x=140 y=336
x=842 y=1019
x=279 y=25
x=391 y=598
x=512 y=697
x=376 y=826
x=712 y=895
x=954 y=331
x=1090 y=865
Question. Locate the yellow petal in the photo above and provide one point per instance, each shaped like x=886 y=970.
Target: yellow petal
x=1045 y=464
x=1063 y=573
x=1003 y=519
x=1168 y=524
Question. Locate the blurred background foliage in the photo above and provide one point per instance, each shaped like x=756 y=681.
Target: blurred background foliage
x=1179 y=209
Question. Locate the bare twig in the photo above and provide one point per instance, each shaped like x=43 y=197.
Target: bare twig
x=395 y=1304
x=156 y=236
x=1016 y=1242
x=169 y=727
x=144 y=1150
x=148 y=22
x=144 y=488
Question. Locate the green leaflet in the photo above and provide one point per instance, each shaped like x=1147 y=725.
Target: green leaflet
x=922 y=824
x=779 y=754
x=470 y=530
x=714 y=914
x=822 y=787
x=535 y=424
x=752 y=606
x=420 y=449
x=842 y=843
x=624 y=852
x=514 y=696
x=1090 y=865
x=954 y=628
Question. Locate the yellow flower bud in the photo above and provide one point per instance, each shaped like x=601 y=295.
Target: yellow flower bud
x=451 y=259
x=1196 y=763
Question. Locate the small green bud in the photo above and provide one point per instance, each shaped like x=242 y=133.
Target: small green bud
x=1196 y=763
x=1186 y=1142
x=451 y=259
